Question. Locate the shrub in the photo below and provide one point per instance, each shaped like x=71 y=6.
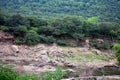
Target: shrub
x=19 y=40
x=47 y=39
x=117 y=51
x=4 y=28
x=46 y=30
x=34 y=29
x=34 y=22
x=104 y=29
x=55 y=75
x=7 y=72
x=20 y=31
x=78 y=36
x=67 y=26
x=31 y=38
x=62 y=42
x=16 y=20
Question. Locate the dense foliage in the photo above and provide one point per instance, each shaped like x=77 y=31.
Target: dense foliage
x=117 y=51
x=31 y=30
x=106 y=10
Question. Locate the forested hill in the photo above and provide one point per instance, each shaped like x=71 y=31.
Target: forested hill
x=104 y=9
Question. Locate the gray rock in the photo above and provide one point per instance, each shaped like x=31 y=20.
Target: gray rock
x=45 y=58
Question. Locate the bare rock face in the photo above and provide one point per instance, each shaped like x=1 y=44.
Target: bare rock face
x=15 y=48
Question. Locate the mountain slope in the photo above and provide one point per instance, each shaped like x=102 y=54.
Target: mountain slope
x=107 y=10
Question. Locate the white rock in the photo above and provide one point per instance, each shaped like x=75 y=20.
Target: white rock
x=15 y=48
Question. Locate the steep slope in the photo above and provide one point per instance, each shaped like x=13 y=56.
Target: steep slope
x=105 y=9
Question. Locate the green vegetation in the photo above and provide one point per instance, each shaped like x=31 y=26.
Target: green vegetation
x=31 y=31
x=117 y=51
x=28 y=77
x=89 y=57
x=106 y=10
x=55 y=75
x=31 y=38
x=51 y=21
x=8 y=73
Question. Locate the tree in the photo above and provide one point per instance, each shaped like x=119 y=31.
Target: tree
x=31 y=38
x=93 y=20
x=68 y=26
x=20 y=31
x=17 y=20
x=35 y=22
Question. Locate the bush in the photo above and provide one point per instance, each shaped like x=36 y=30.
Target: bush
x=47 y=39
x=78 y=36
x=34 y=22
x=7 y=72
x=104 y=29
x=62 y=42
x=67 y=26
x=19 y=40
x=117 y=51
x=31 y=38
x=46 y=30
x=17 y=20
x=34 y=29
x=4 y=28
x=55 y=75
x=20 y=31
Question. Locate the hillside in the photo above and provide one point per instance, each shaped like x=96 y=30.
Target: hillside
x=59 y=39
x=106 y=10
